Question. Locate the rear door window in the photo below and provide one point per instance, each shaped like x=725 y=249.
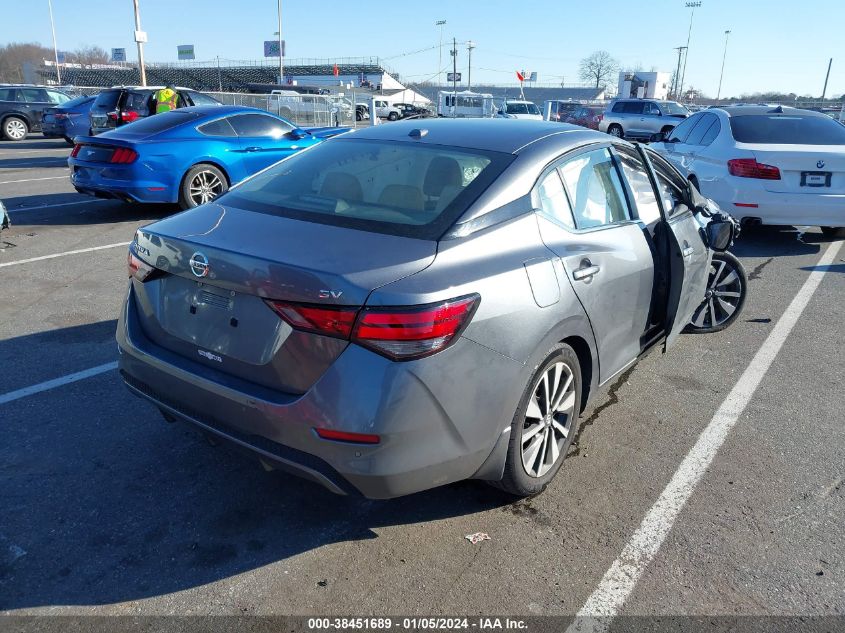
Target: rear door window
x=138 y=101
x=637 y=176
x=553 y=201
x=221 y=127
x=634 y=107
x=595 y=190
x=787 y=129
x=57 y=97
x=683 y=129
x=107 y=100
x=701 y=128
x=254 y=125
x=34 y=95
x=712 y=132
x=8 y=94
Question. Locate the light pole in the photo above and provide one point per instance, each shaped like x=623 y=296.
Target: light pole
x=281 y=52
x=55 y=48
x=675 y=88
x=721 y=74
x=140 y=38
x=470 y=46
x=693 y=6
x=440 y=23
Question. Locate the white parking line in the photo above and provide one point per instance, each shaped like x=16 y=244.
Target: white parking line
x=619 y=581
x=11 y=182
x=54 y=255
x=60 y=204
x=36 y=151
x=56 y=382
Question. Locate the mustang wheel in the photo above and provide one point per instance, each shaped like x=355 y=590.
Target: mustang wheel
x=202 y=183
x=545 y=423
x=725 y=296
x=15 y=129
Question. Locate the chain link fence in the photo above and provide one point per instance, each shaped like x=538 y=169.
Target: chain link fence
x=304 y=110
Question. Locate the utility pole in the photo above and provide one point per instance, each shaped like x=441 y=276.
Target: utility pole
x=140 y=38
x=689 y=5
x=440 y=23
x=55 y=48
x=219 y=76
x=722 y=74
x=677 y=92
x=826 y=77
x=281 y=52
x=454 y=76
x=470 y=46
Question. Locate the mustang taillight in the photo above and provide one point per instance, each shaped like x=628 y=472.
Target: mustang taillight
x=75 y=150
x=399 y=333
x=750 y=168
x=139 y=269
x=60 y=116
x=123 y=156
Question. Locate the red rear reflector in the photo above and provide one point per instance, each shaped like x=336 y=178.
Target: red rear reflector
x=75 y=150
x=750 y=168
x=60 y=116
x=406 y=333
x=343 y=436
x=328 y=320
x=750 y=205
x=123 y=156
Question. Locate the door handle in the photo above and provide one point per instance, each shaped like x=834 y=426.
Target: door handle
x=252 y=149
x=585 y=272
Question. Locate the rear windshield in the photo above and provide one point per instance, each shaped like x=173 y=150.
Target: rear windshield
x=107 y=100
x=791 y=129
x=75 y=102
x=159 y=122
x=400 y=188
x=522 y=108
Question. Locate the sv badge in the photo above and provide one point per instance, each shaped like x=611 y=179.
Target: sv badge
x=329 y=294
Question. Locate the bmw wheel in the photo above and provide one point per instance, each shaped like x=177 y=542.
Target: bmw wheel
x=615 y=130
x=202 y=184
x=544 y=425
x=725 y=296
x=15 y=129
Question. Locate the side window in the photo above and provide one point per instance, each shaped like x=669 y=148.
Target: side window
x=221 y=127
x=7 y=94
x=57 y=97
x=637 y=177
x=700 y=129
x=619 y=107
x=34 y=95
x=553 y=201
x=713 y=132
x=595 y=190
x=651 y=109
x=634 y=107
x=259 y=125
x=683 y=129
x=671 y=185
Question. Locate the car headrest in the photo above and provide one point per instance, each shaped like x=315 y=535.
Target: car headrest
x=342 y=186
x=402 y=197
x=442 y=172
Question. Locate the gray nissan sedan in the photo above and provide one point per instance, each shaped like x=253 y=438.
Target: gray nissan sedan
x=418 y=303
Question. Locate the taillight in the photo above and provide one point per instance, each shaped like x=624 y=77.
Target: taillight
x=127 y=116
x=112 y=116
x=123 y=156
x=597 y=118
x=75 y=151
x=399 y=333
x=139 y=269
x=750 y=168
x=414 y=332
x=60 y=116
x=326 y=320
x=344 y=436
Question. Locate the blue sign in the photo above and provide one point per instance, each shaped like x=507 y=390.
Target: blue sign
x=271 y=48
x=118 y=54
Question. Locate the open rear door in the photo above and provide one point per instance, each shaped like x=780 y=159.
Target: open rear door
x=688 y=257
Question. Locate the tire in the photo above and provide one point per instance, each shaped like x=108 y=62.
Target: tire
x=15 y=129
x=833 y=231
x=716 y=312
x=392 y=116
x=201 y=184
x=616 y=130
x=532 y=463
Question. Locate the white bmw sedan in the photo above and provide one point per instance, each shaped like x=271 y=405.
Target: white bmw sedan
x=764 y=164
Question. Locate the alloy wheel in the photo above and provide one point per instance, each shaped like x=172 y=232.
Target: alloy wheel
x=724 y=292
x=15 y=129
x=205 y=186
x=548 y=419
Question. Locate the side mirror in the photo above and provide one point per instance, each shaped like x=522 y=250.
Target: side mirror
x=297 y=134
x=720 y=234
x=657 y=137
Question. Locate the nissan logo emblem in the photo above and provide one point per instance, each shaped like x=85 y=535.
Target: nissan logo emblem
x=820 y=164
x=199 y=264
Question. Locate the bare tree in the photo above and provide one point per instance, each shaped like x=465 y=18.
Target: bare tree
x=88 y=55
x=599 y=68
x=16 y=55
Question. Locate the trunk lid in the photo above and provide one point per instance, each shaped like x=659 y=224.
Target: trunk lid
x=217 y=315
x=811 y=169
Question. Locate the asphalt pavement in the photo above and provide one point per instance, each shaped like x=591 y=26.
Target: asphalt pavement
x=107 y=509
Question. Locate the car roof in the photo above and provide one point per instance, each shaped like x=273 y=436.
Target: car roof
x=147 y=88
x=495 y=135
x=752 y=110
x=224 y=110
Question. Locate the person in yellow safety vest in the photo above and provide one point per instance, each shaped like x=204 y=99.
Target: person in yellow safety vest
x=166 y=99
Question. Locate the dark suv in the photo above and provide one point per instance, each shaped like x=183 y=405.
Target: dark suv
x=21 y=109
x=123 y=104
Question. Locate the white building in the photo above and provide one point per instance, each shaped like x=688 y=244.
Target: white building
x=644 y=85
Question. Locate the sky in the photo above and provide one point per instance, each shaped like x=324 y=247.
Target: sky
x=773 y=45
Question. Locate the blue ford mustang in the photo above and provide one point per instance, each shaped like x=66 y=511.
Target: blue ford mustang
x=189 y=155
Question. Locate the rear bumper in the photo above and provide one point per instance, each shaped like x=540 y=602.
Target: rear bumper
x=434 y=429
x=782 y=208
x=127 y=182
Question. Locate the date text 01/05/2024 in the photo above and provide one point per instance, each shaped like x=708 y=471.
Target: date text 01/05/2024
x=415 y=623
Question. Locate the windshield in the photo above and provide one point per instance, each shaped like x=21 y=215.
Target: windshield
x=670 y=107
x=75 y=102
x=787 y=130
x=382 y=186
